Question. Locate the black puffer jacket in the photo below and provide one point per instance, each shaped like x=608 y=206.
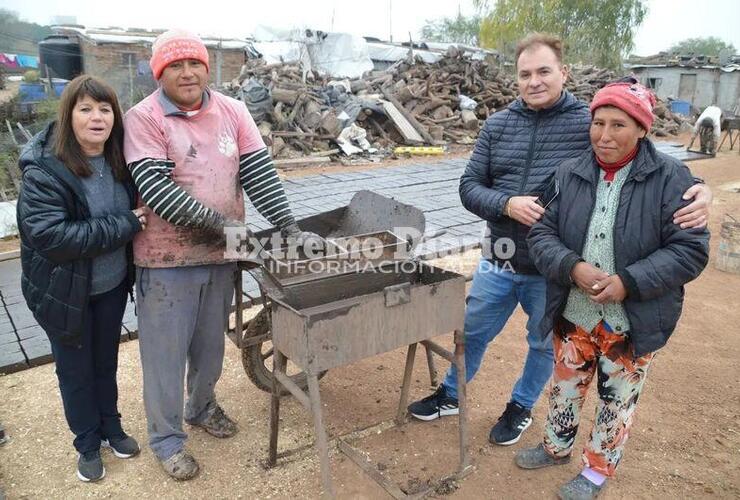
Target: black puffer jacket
x=653 y=256
x=59 y=239
x=518 y=149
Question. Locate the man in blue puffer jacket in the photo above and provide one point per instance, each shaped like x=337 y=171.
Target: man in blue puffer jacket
x=516 y=154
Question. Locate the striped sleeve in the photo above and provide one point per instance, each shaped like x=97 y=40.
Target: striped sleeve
x=153 y=179
x=264 y=188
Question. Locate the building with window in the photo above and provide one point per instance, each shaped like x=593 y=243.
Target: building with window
x=700 y=80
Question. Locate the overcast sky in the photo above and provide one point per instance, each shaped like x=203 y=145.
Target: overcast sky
x=668 y=21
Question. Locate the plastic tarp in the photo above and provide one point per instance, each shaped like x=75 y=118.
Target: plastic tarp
x=258 y=99
x=340 y=54
x=279 y=51
x=8 y=222
x=393 y=53
x=335 y=54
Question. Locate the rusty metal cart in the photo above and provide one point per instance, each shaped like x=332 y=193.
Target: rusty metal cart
x=321 y=319
x=368 y=213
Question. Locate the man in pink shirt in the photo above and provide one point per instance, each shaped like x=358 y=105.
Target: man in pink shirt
x=192 y=153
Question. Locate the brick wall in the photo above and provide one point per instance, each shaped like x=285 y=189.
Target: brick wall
x=124 y=66
x=231 y=64
x=133 y=81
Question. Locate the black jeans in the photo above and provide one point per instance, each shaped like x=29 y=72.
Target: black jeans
x=87 y=375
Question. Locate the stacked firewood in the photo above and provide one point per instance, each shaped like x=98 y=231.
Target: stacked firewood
x=303 y=113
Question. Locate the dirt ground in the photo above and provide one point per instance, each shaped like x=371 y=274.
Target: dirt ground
x=685 y=442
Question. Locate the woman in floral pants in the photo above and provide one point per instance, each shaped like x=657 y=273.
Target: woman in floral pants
x=579 y=355
x=615 y=264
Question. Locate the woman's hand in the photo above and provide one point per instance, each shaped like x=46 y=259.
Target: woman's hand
x=695 y=214
x=586 y=276
x=140 y=214
x=609 y=290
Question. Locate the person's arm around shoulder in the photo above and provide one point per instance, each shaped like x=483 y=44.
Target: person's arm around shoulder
x=44 y=219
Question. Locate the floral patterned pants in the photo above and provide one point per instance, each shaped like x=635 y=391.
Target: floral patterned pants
x=578 y=356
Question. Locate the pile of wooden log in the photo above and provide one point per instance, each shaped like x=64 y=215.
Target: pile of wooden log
x=585 y=81
x=419 y=103
x=414 y=102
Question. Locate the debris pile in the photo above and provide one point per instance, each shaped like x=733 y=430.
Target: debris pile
x=410 y=103
x=302 y=114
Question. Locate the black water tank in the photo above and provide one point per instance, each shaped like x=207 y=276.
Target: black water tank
x=62 y=55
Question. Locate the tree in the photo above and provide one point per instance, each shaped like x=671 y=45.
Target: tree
x=707 y=46
x=18 y=36
x=459 y=29
x=599 y=32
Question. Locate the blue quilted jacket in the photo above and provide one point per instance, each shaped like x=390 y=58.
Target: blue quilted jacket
x=517 y=152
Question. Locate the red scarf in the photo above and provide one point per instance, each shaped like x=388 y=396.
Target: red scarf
x=612 y=168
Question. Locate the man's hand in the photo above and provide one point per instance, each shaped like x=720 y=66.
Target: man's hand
x=695 y=214
x=585 y=276
x=305 y=239
x=524 y=209
x=609 y=290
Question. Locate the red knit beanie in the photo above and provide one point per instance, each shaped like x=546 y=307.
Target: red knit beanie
x=176 y=45
x=632 y=98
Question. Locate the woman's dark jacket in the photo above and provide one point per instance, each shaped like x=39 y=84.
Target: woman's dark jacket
x=59 y=239
x=653 y=256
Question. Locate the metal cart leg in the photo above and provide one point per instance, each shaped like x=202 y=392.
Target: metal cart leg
x=432 y=369
x=239 y=309
x=462 y=398
x=401 y=415
x=280 y=362
x=321 y=440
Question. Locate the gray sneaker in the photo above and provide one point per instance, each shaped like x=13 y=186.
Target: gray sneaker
x=537 y=457
x=217 y=423
x=579 y=488
x=125 y=447
x=90 y=467
x=181 y=466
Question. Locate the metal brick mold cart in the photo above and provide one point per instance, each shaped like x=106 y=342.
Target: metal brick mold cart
x=323 y=320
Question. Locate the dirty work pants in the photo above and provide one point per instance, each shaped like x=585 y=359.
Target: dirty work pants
x=183 y=313
x=578 y=356
x=87 y=374
x=493 y=297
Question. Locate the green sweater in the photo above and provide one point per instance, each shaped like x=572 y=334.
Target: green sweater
x=599 y=251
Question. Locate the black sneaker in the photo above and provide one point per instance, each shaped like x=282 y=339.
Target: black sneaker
x=125 y=447
x=510 y=425
x=437 y=405
x=90 y=467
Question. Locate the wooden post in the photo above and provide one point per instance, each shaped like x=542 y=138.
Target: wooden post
x=131 y=83
x=51 y=85
x=219 y=61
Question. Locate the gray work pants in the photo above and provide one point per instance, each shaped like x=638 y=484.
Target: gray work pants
x=183 y=314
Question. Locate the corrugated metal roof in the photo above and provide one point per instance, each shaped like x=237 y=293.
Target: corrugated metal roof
x=729 y=68
x=116 y=36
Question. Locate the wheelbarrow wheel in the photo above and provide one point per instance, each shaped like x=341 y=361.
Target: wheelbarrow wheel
x=257 y=358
